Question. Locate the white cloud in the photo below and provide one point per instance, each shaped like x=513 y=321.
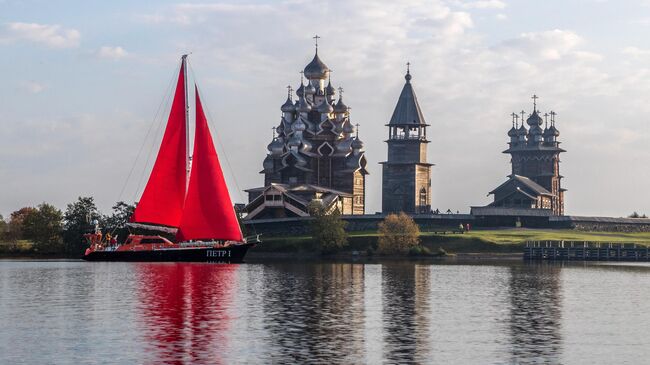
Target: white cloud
x=52 y=36
x=548 y=45
x=636 y=52
x=485 y=4
x=192 y=13
x=113 y=53
x=501 y=16
x=33 y=87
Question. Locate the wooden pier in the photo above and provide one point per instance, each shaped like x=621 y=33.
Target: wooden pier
x=585 y=251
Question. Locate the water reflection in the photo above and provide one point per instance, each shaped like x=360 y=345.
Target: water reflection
x=314 y=313
x=74 y=312
x=406 y=292
x=185 y=310
x=536 y=313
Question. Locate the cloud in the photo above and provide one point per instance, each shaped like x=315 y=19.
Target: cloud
x=113 y=53
x=485 y=4
x=192 y=13
x=547 y=45
x=33 y=87
x=636 y=52
x=52 y=36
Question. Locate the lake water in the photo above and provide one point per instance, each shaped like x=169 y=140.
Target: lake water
x=403 y=312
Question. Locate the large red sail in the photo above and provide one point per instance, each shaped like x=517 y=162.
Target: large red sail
x=163 y=197
x=208 y=212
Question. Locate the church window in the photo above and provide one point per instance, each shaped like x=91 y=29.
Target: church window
x=423 y=199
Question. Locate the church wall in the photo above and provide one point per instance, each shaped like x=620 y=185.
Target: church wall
x=398 y=188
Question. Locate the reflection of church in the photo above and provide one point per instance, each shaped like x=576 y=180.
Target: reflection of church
x=315 y=154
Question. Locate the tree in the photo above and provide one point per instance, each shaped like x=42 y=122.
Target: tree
x=637 y=215
x=43 y=226
x=77 y=221
x=327 y=228
x=397 y=234
x=115 y=224
x=16 y=219
x=3 y=228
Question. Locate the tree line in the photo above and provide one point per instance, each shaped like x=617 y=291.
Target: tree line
x=51 y=230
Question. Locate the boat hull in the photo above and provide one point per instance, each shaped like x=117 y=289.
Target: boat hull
x=230 y=254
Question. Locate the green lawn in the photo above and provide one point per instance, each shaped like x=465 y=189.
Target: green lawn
x=501 y=236
x=475 y=241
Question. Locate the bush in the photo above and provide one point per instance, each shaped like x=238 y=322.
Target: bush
x=327 y=229
x=398 y=233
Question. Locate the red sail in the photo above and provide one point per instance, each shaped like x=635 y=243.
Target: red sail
x=208 y=211
x=163 y=197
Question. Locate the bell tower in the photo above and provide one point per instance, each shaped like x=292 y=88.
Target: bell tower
x=406 y=175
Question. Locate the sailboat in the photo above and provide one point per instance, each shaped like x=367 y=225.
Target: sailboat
x=185 y=196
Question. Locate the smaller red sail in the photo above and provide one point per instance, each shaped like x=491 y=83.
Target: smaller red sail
x=208 y=212
x=163 y=197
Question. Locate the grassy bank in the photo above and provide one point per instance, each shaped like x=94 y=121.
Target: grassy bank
x=488 y=241
x=476 y=241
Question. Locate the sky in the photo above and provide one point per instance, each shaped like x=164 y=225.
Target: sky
x=84 y=84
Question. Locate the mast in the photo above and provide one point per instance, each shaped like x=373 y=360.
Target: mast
x=188 y=158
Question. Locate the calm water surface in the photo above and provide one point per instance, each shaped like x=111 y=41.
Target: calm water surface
x=78 y=312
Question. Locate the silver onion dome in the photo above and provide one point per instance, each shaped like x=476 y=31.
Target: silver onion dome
x=329 y=90
x=310 y=89
x=299 y=126
x=325 y=107
x=357 y=144
x=522 y=130
x=316 y=69
x=288 y=106
x=303 y=106
x=294 y=141
x=301 y=90
x=340 y=107
x=276 y=147
x=347 y=127
x=534 y=119
x=512 y=132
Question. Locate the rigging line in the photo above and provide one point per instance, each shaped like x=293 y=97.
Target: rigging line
x=210 y=120
x=225 y=154
x=139 y=186
x=137 y=157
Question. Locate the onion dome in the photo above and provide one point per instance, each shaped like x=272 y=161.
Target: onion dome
x=340 y=107
x=329 y=90
x=512 y=132
x=299 y=126
x=357 y=144
x=522 y=130
x=325 y=107
x=303 y=106
x=276 y=147
x=347 y=127
x=534 y=119
x=344 y=147
x=268 y=163
x=554 y=131
x=310 y=89
x=294 y=141
x=301 y=89
x=316 y=69
x=288 y=106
